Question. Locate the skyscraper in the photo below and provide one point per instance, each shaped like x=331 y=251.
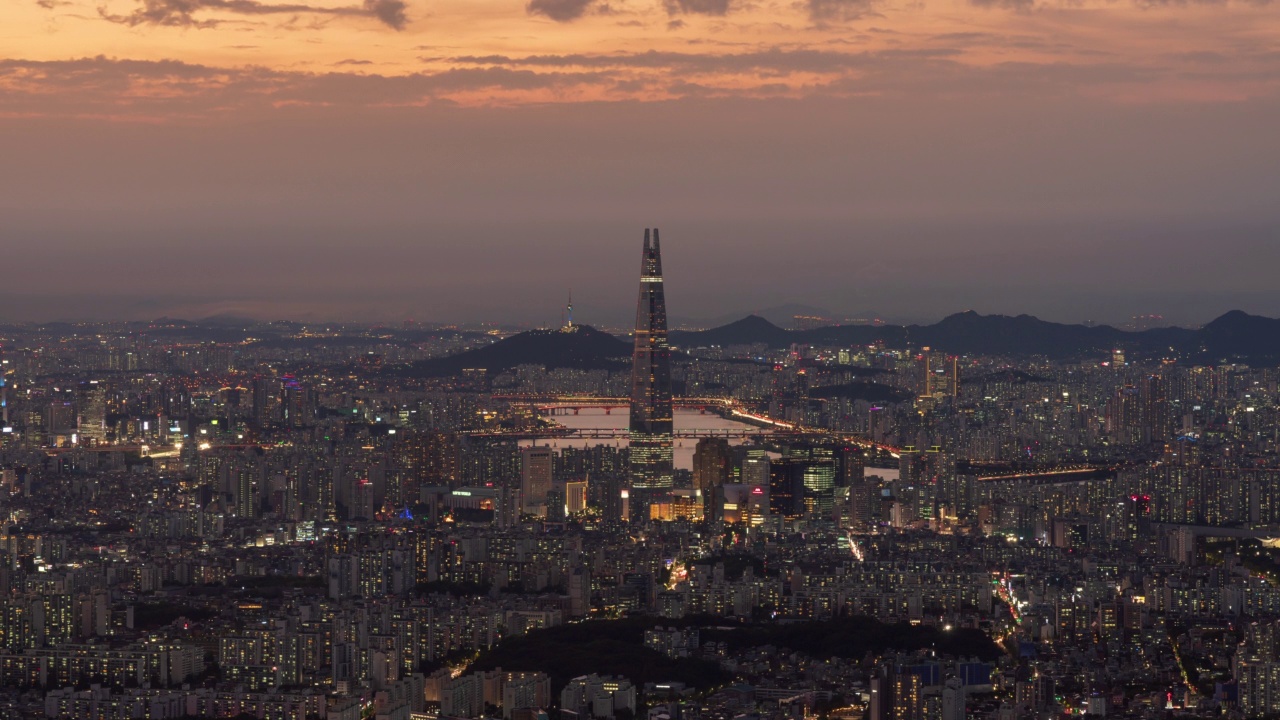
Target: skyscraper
x=651 y=472
x=4 y=395
x=536 y=477
x=93 y=415
x=941 y=375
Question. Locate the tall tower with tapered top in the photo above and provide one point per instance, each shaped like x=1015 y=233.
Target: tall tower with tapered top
x=651 y=425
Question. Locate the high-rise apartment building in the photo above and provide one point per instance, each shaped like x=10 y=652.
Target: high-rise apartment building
x=651 y=416
x=712 y=463
x=1156 y=426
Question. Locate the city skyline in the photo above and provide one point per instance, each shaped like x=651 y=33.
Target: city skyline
x=945 y=522
x=329 y=388
x=791 y=316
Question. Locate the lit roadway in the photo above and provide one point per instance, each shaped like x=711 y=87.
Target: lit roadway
x=151 y=451
x=1046 y=473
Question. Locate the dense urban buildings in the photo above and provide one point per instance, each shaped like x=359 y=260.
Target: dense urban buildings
x=289 y=520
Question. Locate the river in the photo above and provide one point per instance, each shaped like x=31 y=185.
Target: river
x=684 y=419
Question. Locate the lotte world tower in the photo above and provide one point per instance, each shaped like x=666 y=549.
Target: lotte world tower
x=651 y=424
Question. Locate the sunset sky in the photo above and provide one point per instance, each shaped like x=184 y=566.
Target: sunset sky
x=447 y=160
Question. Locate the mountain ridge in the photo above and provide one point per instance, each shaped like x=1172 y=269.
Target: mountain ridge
x=1235 y=336
x=584 y=348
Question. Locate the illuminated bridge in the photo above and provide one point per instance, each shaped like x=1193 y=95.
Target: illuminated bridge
x=1048 y=475
x=571 y=404
x=728 y=408
x=618 y=433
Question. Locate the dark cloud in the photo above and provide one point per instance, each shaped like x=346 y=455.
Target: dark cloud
x=68 y=74
x=1156 y=4
x=1027 y=5
x=176 y=91
x=775 y=61
x=1149 y=4
x=390 y=12
x=1004 y=4
x=183 y=13
x=559 y=10
x=1201 y=57
x=148 y=91
x=825 y=11
x=697 y=7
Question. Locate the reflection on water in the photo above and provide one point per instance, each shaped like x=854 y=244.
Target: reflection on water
x=685 y=419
